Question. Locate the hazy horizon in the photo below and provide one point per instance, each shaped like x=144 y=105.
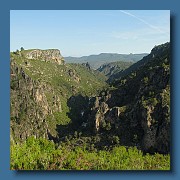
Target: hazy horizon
x=106 y=53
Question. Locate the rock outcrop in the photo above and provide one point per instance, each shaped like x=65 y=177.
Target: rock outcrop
x=40 y=91
x=87 y=65
x=31 y=103
x=138 y=110
x=52 y=55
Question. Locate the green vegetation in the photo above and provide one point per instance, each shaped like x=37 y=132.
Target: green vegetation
x=64 y=80
x=66 y=117
x=67 y=79
x=22 y=49
x=113 y=69
x=41 y=154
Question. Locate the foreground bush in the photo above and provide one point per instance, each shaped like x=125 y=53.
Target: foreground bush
x=41 y=154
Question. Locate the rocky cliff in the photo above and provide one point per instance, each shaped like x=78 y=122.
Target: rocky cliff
x=52 y=101
x=40 y=89
x=52 y=55
x=114 y=68
x=30 y=106
x=137 y=110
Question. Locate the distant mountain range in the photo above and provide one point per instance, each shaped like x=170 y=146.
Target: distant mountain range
x=96 y=61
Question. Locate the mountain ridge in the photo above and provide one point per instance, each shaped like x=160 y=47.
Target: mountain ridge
x=97 y=60
x=67 y=112
x=138 y=109
x=47 y=85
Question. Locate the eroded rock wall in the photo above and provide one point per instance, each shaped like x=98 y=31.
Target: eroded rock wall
x=30 y=105
x=52 y=55
x=138 y=110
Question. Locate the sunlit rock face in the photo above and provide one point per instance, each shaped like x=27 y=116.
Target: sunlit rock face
x=52 y=55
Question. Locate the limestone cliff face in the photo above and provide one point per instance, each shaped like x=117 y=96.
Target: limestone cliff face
x=138 y=110
x=30 y=106
x=52 y=55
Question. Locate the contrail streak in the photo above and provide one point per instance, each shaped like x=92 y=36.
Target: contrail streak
x=143 y=21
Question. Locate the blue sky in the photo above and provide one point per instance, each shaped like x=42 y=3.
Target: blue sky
x=85 y=32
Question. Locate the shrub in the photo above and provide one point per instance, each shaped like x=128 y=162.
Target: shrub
x=145 y=80
x=41 y=154
x=22 y=49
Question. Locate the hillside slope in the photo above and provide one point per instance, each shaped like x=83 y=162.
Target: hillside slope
x=113 y=68
x=65 y=117
x=137 y=110
x=40 y=89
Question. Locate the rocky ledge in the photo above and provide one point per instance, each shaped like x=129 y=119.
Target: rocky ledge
x=52 y=55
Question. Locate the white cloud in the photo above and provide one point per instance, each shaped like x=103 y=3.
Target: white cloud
x=141 y=33
x=156 y=28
